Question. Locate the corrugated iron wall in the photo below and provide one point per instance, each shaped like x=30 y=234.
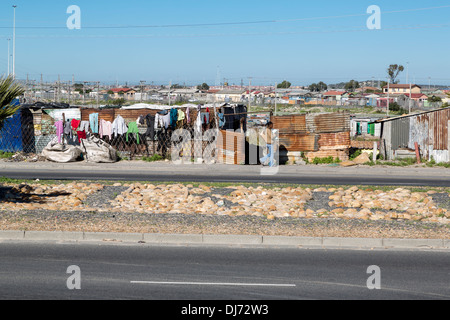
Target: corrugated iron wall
x=328 y=123
x=430 y=130
x=400 y=133
x=318 y=135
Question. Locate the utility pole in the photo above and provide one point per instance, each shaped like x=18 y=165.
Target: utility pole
x=98 y=94
x=9 y=58
x=170 y=88
x=276 y=105
x=142 y=89
x=59 y=89
x=407 y=72
x=41 y=85
x=410 y=97
x=27 y=88
x=84 y=92
x=387 y=111
x=249 y=94
x=14 y=44
x=70 y=92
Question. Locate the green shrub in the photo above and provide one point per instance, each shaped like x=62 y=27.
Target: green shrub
x=154 y=158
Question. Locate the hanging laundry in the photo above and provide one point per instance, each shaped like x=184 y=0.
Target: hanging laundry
x=68 y=129
x=105 y=129
x=205 y=117
x=141 y=120
x=188 y=115
x=81 y=135
x=93 y=121
x=165 y=121
x=222 y=120
x=181 y=115
x=118 y=126
x=59 y=130
x=173 y=117
x=150 y=119
x=157 y=121
x=84 y=126
x=75 y=124
x=198 y=122
x=133 y=128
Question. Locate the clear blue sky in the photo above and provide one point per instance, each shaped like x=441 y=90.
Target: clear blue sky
x=295 y=47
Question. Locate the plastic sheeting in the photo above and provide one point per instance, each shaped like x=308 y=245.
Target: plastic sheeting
x=98 y=151
x=62 y=153
x=93 y=149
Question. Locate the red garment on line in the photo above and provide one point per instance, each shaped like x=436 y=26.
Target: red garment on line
x=81 y=135
x=75 y=124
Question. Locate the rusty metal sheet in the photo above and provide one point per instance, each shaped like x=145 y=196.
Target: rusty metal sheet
x=299 y=142
x=290 y=124
x=335 y=139
x=439 y=129
x=103 y=114
x=328 y=123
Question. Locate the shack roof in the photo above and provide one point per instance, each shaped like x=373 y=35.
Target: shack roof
x=409 y=115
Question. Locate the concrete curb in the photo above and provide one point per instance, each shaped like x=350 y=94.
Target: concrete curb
x=237 y=240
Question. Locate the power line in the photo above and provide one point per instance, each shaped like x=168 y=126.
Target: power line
x=324 y=31
x=230 y=23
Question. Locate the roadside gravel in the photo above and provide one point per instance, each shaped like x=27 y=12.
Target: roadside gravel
x=72 y=221
x=188 y=209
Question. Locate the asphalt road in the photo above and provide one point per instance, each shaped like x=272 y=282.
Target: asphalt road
x=189 y=273
x=164 y=176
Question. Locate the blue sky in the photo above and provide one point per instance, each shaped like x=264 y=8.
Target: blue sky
x=301 y=41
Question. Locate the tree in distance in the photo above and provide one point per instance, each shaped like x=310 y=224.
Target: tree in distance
x=393 y=71
x=352 y=84
x=318 y=87
x=203 y=87
x=284 y=85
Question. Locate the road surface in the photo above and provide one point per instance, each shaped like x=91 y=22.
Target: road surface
x=33 y=270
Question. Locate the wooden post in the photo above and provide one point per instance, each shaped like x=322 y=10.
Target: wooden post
x=375 y=150
x=417 y=153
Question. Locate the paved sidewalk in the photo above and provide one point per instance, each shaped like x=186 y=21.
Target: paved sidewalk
x=228 y=240
x=169 y=167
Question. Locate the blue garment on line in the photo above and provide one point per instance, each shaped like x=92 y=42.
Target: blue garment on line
x=222 y=120
x=173 y=117
x=93 y=121
x=205 y=117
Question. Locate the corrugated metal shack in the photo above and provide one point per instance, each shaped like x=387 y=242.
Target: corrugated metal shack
x=315 y=135
x=17 y=133
x=430 y=130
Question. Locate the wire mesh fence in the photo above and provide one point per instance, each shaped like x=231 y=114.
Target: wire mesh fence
x=33 y=128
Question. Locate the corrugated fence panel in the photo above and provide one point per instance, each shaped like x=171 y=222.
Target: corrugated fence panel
x=338 y=140
x=328 y=123
x=231 y=150
x=419 y=133
x=299 y=142
x=400 y=133
x=438 y=129
x=290 y=124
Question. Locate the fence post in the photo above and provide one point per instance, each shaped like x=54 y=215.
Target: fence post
x=417 y=153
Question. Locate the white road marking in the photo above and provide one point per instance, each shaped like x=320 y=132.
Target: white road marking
x=215 y=284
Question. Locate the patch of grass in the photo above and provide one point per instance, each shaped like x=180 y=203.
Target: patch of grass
x=153 y=158
x=6 y=155
x=328 y=160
